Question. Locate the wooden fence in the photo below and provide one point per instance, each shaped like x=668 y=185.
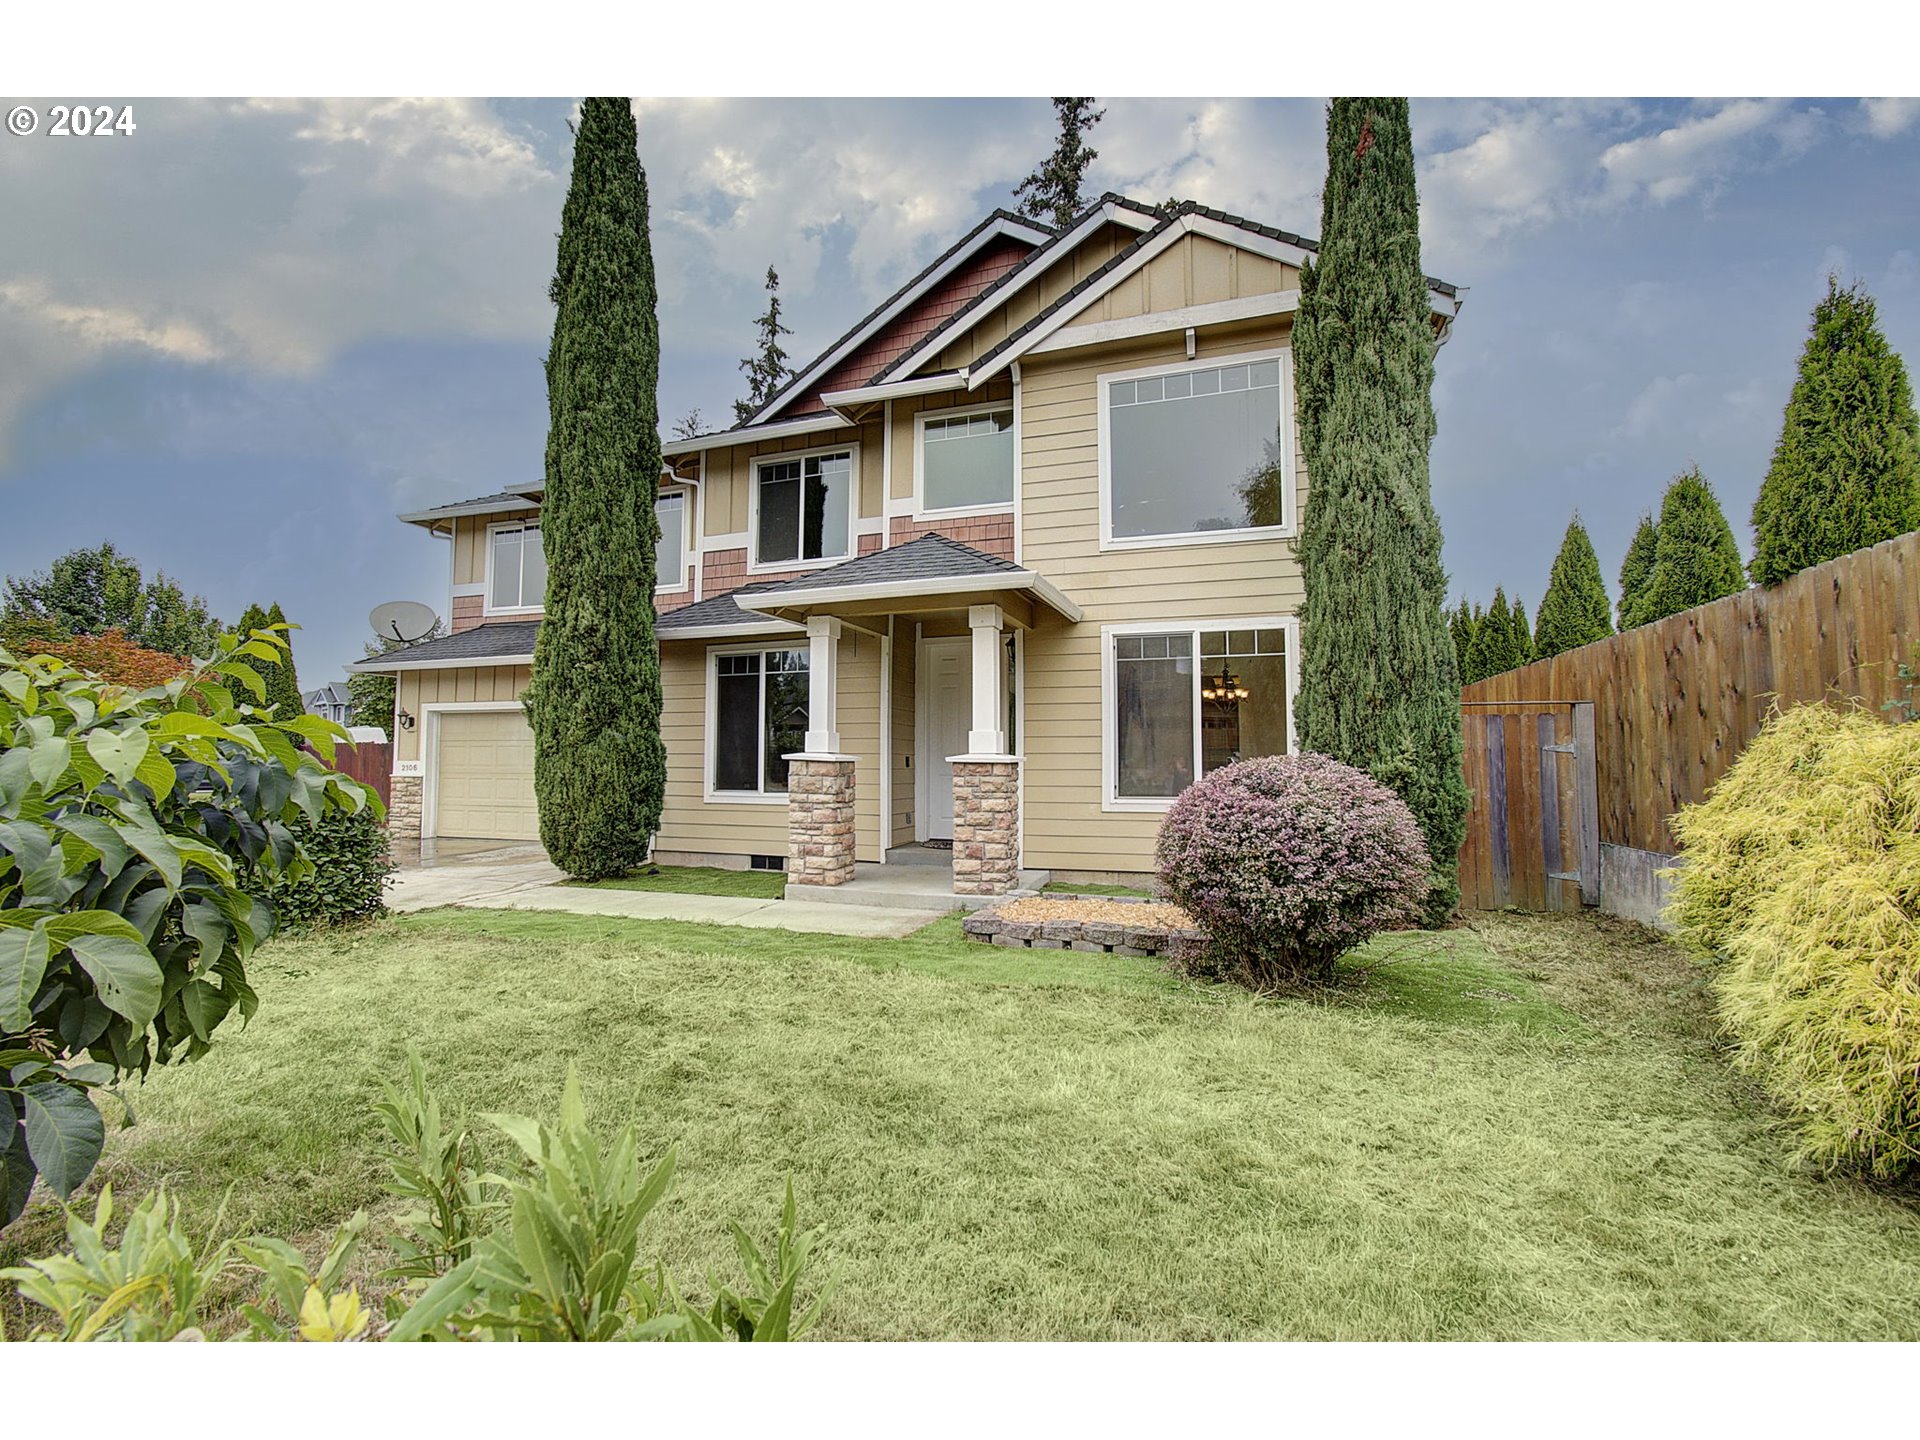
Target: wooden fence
x=1532 y=835
x=370 y=762
x=1676 y=702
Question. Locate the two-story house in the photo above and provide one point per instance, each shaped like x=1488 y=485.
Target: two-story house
x=1007 y=567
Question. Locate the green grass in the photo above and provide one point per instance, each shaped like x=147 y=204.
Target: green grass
x=1516 y=1131
x=697 y=880
x=1061 y=887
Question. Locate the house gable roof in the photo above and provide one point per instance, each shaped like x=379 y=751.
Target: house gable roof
x=506 y=642
x=932 y=556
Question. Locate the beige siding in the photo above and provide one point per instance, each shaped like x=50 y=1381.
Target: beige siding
x=419 y=688
x=726 y=506
x=906 y=414
x=1196 y=270
x=1065 y=827
x=470 y=544
x=902 y=704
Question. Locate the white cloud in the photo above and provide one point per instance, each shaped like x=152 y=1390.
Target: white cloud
x=1657 y=406
x=1703 y=150
x=1886 y=118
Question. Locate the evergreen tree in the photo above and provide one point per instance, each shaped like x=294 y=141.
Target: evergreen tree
x=1695 y=559
x=88 y=592
x=692 y=424
x=251 y=619
x=1380 y=684
x=1846 y=473
x=1460 y=625
x=1575 y=610
x=371 y=696
x=1635 y=570
x=1520 y=641
x=1498 y=644
x=599 y=767
x=283 y=680
x=766 y=369
x=1051 y=194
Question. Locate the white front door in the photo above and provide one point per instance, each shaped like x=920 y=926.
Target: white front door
x=944 y=684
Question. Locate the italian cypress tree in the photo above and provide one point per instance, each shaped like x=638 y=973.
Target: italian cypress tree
x=1846 y=472
x=1380 y=685
x=283 y=680
x=1695 y=559
x=1460 y=626
x=1635 y=570
x=1575 y=610
x=599 y=767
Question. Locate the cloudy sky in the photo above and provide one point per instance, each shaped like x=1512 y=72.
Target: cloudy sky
x=239 y=340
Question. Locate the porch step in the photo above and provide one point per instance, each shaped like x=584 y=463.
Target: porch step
x=907 y=887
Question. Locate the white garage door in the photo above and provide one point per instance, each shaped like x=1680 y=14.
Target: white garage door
x=483 y=784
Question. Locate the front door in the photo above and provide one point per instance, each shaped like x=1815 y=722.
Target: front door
x=944 y=676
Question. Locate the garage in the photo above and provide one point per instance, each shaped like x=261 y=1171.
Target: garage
x=483 y=776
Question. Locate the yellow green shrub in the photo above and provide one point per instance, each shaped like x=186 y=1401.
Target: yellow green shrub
x=1802 y=881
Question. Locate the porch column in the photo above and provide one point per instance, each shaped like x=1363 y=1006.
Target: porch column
x=986 y=780
x=988 y=736
x=820 y=818
x=823 y=685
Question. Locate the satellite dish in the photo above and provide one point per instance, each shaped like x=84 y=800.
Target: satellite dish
x=403 y=620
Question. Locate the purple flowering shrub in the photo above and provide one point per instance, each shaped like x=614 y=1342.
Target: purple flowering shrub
x=1288 y=862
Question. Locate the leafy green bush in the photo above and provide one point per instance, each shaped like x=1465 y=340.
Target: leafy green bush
x=1802 y=880
x=133 y=826
x=550 y=1253
x=348 y=880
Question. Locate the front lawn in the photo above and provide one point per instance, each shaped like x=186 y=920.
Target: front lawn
x=697 y=880
x=1519 y=1131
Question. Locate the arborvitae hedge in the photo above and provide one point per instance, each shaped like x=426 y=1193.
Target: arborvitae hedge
x=1575 y=610
x=1695 y=559
x=599 y=765
x=1635 y=570
x=1500 y=641
x=1846 y=472
x=1379 y=681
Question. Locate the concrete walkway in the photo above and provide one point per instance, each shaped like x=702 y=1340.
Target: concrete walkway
x=507 y=880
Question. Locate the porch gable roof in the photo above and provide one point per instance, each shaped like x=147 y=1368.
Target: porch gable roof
x=932 y=566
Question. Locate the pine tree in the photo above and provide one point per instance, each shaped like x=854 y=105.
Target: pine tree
x=1575 y=610
x=1380 y=684
x=283 y=680
x=1635 y=570
x=766 y=369
x=1846 y=472
x=1695 y=559
x=1052 y=192
x=599 y=767
x=1460 y=625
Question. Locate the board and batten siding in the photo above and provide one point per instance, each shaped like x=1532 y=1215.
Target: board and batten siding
x=726 y=503
x=1009 y=315
x=480 y=684
x=1065 y=827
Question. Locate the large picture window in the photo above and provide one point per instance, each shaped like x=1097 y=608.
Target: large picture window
x=805 y=508
x=1189 y=700
x=966 y=461
x=517 y=568
x=1195 y=451
x=670 y=555
x=759 y=718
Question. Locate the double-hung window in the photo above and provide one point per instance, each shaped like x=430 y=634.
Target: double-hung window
x=516 y=568
x=966 y=460
x=1195 y=452
x=759 y=716
x=1185 y=700
x=803 y=508
x=670 y=555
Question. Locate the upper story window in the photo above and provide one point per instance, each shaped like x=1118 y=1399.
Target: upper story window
x=1195 y=452
x=803 y=508
x=966 y=461
x=670 y=555
x=516 y=567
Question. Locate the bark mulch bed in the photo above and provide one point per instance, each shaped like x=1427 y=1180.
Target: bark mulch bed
x=1110 y=924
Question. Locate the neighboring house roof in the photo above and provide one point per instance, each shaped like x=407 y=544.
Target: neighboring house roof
x=508 y=642
x=506 y=500
x=334 y=692
x=999 y=223
x=931 y=565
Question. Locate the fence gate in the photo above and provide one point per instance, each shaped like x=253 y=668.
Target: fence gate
x=1533 y=829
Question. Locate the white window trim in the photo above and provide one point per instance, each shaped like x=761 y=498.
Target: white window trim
x=924 y=511
x=1110 y=799
x=737 y=797
x=686 y=547
x=430 y=751
x=487 y=605
x=1289 y=488
x=755 y=566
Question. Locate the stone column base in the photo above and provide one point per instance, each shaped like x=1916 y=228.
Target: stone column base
x=819 y=820
x=986 y=825
x=404 y=809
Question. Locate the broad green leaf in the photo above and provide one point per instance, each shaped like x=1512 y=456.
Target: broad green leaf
x=438 y=1304
x=204 y=923
x=63 y=929
x=24 y=952
x=64 y=1134
x=105 y=840
x=158 y=850
x=156 y=773
x=47 y=761
x=206 y=1007
x=119 y=751
x=125 y=975
x=246 y=675
x=181 y=724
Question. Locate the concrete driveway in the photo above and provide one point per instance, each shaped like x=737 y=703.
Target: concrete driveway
x=487 y=876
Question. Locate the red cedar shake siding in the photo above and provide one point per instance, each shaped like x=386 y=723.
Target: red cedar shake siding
x=468 y=611
x=991 y=533
x=919 y=321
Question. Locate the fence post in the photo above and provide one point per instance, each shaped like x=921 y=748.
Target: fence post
x=1587 y=803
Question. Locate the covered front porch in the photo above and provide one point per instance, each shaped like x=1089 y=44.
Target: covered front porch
x=948 y=621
